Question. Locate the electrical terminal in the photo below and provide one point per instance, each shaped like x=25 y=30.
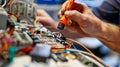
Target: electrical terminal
x=24 y=36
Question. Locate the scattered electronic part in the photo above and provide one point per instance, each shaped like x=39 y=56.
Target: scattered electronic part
x=23 y=38
x=41 y=52
x=23 y=8
x=5 y=3
x=3 y=18
x=21 y=35
x=2 y=3
x=73 y=54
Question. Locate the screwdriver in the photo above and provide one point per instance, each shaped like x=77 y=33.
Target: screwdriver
x=63 y=20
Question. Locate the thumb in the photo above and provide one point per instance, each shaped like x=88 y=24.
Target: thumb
x=76 y=16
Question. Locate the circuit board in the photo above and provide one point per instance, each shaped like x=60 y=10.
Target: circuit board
x=24 y=42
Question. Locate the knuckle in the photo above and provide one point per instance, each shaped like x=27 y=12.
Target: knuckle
x=84 y=19
x=73 y=13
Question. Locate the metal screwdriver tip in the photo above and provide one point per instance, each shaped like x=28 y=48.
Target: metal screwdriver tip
x=61 y=26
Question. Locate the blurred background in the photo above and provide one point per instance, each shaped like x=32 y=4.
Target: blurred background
x=98 y=48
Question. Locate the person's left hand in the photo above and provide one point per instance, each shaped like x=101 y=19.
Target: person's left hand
x=45 y=19
x=48 y=22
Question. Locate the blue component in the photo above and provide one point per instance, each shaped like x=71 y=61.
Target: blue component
x=50 y=1
x=17 y=23
x=12 y=51
x=45 y=1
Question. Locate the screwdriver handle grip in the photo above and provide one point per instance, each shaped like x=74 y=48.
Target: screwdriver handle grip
x=63 y=20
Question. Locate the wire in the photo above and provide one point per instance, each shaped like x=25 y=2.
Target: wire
x=8 y=3
x=4 y=3
x=15 y=15
x=80 y=45
x=57 y=34
x=98 y=59
x=35 y=23
x=74 y=46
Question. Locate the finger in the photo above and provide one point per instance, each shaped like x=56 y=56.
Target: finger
x=62 y=10
x=76 y=16
x=82 y=5
x=41 y=12
x=69 y=22
x=77 y=6
x=46 y=21
x=74 y=27
x=61 y=13
x=42 y=20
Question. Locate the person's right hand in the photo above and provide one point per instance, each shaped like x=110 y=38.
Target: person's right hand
x=49 y=23
x=82 y=20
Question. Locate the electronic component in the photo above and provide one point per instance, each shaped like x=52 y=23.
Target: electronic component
x=3 y=18
x=41 y=52
x=5 y=3
x=23 y=8
x=21 y=35
x=23 y=38
x=84 y=58
x=2 y=3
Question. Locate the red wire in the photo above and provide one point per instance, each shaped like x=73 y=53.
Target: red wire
x=26 y=49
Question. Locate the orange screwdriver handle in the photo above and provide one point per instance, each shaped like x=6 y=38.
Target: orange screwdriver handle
x=63 y=20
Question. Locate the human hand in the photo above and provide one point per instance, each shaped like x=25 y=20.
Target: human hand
x=45 y=19
x=82 y=20
x=49 y=23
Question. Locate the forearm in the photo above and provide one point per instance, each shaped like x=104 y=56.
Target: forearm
x=110 y=35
